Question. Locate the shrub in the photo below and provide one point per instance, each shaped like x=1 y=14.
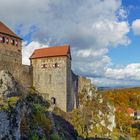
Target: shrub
x=55 y=136
x=38 y=108
x=40 y=117
x=5 y=107
x=12 y=101
x=32 y=90
x=42 y=120
x=33 y=136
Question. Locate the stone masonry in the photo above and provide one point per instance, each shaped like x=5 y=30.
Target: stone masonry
x=52 y=77
x=50 y=70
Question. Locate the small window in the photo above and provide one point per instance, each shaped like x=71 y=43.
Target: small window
x=3 y=39
x=16 y=43
x=50 y=79
x=44 y=66
x=13 y=42
x=7 y=40
x=53 y=100
x=56 y=65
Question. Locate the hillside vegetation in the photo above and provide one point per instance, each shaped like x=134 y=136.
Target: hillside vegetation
x=92 y=118
x=123 y=100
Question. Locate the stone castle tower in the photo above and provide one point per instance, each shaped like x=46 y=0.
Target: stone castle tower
x=11 y=55
x=10 y=50
x=50 y=70
x=52 y=75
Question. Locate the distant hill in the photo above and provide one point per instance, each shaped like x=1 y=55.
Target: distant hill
x=117 y=87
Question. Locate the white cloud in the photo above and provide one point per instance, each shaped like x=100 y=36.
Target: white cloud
x=124 y=76
x=106 y=82
x=130 y=72
x=89 y=26
x=28 y=50
x=112 y=32
x=136 y=26
x=91 y=53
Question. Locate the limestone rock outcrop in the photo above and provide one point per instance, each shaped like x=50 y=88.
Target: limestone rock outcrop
x=29 y=117
x=8 y=85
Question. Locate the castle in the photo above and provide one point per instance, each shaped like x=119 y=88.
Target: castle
x=49 y=72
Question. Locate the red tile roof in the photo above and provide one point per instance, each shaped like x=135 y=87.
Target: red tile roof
x=51 y=52
x=5 y=30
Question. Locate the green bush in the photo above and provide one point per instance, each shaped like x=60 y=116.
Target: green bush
x=40 y=117
x=33 y=136
x=12 y=101
x=55 y=136
x=5 y=107
x=42 y=120
x=38 y=108
x=32 y=90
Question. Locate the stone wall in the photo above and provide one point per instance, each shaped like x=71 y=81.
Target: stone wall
x=83 y=82
x=70 y=97
x=10 y=50
x=11 y=60
x=25 y=76
x=74 y=89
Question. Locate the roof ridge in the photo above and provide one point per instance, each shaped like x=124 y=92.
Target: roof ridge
x=61 y=50
x=50 y=47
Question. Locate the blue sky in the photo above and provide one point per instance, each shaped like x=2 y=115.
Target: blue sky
x=103 y=34
x=130 y=54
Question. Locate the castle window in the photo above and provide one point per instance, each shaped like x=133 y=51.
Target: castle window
x=13 y=42
x=53 y=100
x=7 y=40
x=50 y=79
x=3 y=39
x=56 y=65
x=44 y=66
x=16 y=43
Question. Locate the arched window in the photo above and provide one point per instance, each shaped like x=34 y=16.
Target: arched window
x=53 y=100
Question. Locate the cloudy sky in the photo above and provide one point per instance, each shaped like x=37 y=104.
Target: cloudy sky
x=104 y=34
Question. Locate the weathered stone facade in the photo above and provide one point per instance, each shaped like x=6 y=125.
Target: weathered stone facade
x=54 y=82
x=11 y=58
x=50 y=72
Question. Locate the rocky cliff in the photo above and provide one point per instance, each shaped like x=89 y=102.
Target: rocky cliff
x=26 y=116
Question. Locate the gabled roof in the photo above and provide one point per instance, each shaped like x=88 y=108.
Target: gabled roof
x=5 y=30
x=63 y=50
